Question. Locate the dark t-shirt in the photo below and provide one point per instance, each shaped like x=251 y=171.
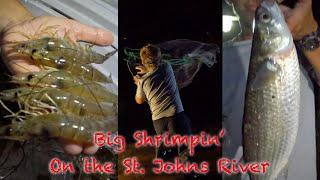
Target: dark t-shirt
x=160 y=90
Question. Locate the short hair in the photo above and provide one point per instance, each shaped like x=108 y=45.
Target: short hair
x=151 y=54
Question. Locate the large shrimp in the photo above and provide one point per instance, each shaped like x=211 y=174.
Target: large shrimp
x=40 y=99
x=61 y=48
x=61 y=59
x=68 y=82
x=76 y=128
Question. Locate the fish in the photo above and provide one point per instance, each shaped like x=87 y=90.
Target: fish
x=271 y=115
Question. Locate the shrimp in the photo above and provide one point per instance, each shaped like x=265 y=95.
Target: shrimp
x=86 y=71
x=61 y=48
x=50 y=78
x=57 y=57
x=75 y=128
x=57 y=100
x=63 y=80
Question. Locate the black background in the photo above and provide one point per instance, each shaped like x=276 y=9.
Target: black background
x=157 y=21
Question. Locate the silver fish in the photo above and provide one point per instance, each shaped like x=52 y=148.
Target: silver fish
x=273 y=93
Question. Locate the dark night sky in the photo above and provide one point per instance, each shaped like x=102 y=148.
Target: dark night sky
x=316 y=12
x=156 y=21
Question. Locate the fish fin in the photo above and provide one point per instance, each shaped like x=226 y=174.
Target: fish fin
x=239 y=155
x=283 y=174
x=266 y=73
x=240 y=160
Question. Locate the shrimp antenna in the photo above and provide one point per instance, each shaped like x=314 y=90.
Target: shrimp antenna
x=20 y=66
x=93 y=95
x=6 y=108
x=111 y=53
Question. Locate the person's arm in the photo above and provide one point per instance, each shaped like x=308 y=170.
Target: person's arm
x=12 y=12
x=139 y=97
x=139 y=100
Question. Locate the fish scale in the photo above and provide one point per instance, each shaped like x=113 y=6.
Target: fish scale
x=273 y=93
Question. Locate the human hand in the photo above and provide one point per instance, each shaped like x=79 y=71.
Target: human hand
x=44 y=26
x=75 y=148
x=141 y=70
x=300 y=19
x=136 y=79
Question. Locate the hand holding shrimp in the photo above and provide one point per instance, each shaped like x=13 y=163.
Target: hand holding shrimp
x=46 y=26
x=49 y=26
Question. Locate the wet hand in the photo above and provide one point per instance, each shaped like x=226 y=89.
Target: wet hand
x=49 y=26
x=300 y=19
x=45 y=26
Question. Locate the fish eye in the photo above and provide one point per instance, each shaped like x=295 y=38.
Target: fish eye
x=33 y=51
x=264 y=17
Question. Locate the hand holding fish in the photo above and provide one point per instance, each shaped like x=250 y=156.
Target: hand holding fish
x=301 y=22
x=300 y=19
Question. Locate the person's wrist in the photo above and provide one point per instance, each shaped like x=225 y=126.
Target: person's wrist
x=314 y=58
x=138 y=82
x=311 y=39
